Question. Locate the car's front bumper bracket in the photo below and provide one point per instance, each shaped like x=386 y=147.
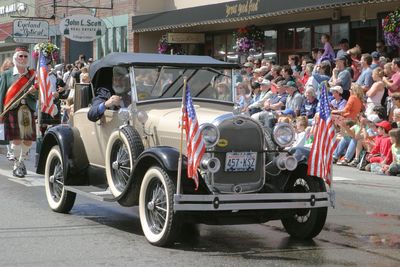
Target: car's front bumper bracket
x=235 y=202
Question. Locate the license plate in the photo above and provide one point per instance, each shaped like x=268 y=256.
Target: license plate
x=240 y=161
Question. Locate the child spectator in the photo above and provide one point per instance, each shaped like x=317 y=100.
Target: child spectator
x=68 y=110
x=394 y=167
x=328 y=54
x=301 y=133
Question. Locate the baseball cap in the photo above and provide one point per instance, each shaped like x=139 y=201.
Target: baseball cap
x=342 y=57
x=265 y=82
x=337 y=88
x=291 y=84
x=375 y=54
x=385 y=125
x=344 y=41
x=289 y=111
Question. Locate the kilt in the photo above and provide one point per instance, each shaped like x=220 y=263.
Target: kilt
x=12 y=127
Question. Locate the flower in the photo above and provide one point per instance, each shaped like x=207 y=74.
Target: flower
x=391 y=28
x=248 y=38
x=48 y=49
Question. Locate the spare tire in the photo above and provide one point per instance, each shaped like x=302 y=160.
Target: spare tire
x=123 y=148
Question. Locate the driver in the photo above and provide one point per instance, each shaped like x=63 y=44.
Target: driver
x=114 y=98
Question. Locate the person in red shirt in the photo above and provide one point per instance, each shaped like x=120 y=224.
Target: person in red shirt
x=393 y=84
x=381 y=152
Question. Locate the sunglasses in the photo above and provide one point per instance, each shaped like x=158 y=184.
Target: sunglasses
x=21 y=56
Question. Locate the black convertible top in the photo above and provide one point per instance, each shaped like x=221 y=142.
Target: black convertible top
x=147 y=59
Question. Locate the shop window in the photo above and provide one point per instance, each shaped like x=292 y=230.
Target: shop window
x=124 y=39
x=318 y=32
x=114 y=40
x=270 y=44
x=303 y=38
x=220 y=46
x=339 y=31
x=286 y=40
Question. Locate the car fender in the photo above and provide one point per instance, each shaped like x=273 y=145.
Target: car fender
x=164 y=156
x=70 y=143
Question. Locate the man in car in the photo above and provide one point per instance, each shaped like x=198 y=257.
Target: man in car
x=111 y=98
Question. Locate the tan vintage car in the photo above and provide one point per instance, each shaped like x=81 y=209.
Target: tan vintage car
x=131 y=154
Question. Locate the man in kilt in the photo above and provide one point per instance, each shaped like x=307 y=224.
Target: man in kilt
x=19 y=120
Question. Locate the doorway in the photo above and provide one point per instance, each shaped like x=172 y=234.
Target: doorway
x=364 y=37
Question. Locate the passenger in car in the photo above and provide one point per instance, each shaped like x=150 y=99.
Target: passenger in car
x=110 y=98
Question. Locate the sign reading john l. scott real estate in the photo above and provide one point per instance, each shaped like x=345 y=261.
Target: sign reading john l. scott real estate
x=82 y=28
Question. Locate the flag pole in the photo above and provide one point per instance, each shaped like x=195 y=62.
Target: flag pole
x=39 y=106
x=178 y=183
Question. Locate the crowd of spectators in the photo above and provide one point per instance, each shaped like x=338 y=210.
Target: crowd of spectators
x=364 y=92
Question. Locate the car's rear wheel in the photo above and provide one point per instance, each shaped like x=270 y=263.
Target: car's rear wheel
x=123 y=148
x=59 y=199
x=305 y=223
x=159 y=223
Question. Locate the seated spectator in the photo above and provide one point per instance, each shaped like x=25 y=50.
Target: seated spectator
x=347 y=145
x=381 y=152
x=277 y=101
x=223 y=92
x=376 y=92
x=394 y=168
x=396 y=117
x=294 y=99
x=309 y=106
x=375 y=60
x=354 y=105
x=338 y=102
x=243 y=96
x=301 y=131
x=255 y=96
x=265 y=93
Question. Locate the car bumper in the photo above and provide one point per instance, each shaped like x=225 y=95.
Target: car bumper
x=236 y=202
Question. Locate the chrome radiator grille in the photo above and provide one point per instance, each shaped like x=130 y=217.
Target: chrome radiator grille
x=239 y=134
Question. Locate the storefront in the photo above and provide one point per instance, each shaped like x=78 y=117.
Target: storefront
x=289 y=27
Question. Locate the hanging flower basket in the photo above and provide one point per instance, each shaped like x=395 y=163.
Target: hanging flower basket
x=166 y=48
x=248 y=38
x=48 y=49
x=391 y=28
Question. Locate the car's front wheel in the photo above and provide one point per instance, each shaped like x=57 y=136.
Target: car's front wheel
x=59 y=199
x=159 y=223
x=305 y=223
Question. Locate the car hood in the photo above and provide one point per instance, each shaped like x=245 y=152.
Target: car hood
x=164 y=123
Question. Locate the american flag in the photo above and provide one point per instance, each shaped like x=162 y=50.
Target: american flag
x=45 y=86
x=194 y=139
x=320 y=161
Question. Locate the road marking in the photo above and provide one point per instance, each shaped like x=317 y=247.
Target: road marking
x=31 y=179
x=339 y=178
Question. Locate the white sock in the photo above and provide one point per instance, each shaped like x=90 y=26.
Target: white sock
x=24 y=152
x=16 y=149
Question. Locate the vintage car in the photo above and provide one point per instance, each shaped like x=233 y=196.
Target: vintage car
x=131 y=154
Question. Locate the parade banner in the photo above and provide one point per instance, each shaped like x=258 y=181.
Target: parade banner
x=82 y=28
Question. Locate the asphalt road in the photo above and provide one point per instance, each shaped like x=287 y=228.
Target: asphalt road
x=363 y=230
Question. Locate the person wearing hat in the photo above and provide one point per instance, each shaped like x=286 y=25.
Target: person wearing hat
x=375 y=60
x=294 y=99
x=266 y=93
x=111 y=98
x=338 y=102
x=19 y=121
x=341 y=76
x=381 y=152
x=344 y=46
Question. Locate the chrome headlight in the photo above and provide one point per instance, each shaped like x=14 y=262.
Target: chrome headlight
x=124 y=115
x=284 y=134
x=210 y=134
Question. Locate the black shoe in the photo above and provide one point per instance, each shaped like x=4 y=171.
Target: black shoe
x=18 y=173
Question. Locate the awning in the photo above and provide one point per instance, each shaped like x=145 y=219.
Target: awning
x=6 y=30
x=235 y=11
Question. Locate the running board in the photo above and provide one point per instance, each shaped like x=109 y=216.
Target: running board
x=92 y=192
x=250 y=201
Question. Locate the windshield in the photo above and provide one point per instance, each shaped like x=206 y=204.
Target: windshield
x=167 y=82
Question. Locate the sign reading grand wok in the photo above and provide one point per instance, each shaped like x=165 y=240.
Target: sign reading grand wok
x=82 y=28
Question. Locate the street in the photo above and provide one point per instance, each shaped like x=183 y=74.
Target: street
x=363 y=230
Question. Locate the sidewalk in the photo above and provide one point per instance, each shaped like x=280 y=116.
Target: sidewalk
x=31 y=179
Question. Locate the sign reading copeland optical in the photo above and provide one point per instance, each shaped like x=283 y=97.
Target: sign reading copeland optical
x=82 y=28
x=185 y=38
x=30 y=31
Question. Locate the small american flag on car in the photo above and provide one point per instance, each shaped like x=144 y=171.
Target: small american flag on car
x=320 y=160
x=46 y=95
x=194 y=139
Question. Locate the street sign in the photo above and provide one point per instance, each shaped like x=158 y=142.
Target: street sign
x=30 y=31
x=82 y=28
